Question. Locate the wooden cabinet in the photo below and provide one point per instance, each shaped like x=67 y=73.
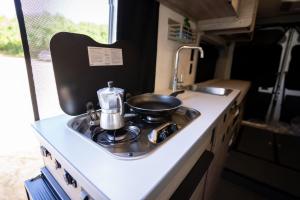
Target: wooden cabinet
x=199 y=191
x=201 y=181
x=214 y=171
x=218 y=17
x=232 y=25
x=204 y=9
x=193 y=185
x=223 y=134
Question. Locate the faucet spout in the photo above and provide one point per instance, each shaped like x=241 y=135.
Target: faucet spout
x=175 y=77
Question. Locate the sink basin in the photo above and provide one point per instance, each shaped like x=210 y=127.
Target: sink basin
x=209 y=90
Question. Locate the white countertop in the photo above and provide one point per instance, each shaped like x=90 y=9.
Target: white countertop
x=141 y=178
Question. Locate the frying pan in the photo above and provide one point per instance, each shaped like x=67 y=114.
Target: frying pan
x=154 y=104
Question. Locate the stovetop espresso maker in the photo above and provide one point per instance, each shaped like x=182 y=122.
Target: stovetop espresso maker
x=112 y=107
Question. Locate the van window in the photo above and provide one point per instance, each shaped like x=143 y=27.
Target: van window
x=291 y=101
x=43 y=19
x=258 y=61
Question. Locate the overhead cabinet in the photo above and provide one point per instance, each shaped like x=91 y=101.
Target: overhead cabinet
x=218 y=17
x=203 y=9
x=244 y=22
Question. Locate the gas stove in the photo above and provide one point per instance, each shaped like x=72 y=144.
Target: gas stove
x=140 y=135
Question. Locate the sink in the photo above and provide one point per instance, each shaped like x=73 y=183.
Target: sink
x=209 y=90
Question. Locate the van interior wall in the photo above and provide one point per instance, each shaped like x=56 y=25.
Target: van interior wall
x=166 y=50
x=224 y=62
x=217 y=60
x=206 y=66
x=137 y=24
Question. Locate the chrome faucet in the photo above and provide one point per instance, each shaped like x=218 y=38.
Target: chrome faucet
x=175 y=77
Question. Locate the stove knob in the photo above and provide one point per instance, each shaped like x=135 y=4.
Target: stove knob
x=163 y=135
x=74 y=183
x=45 y=152
x=57 y=164
x=68 y=178
x=84 y=195
x=174 y=128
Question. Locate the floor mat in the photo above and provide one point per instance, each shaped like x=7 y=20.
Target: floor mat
x=255 y=168
x=231 y=191
x=265 y=173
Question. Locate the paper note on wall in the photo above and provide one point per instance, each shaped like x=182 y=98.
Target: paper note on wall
x=100 y=56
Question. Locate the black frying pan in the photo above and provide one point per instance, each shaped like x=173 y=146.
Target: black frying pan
x=154 y=104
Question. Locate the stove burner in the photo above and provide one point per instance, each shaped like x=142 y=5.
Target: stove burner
x=117 y=135
x=114 y=137
x=140 y=135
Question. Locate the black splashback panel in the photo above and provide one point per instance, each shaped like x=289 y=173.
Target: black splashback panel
x=77 y=82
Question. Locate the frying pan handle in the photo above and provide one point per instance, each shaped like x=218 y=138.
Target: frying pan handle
x=174 y=94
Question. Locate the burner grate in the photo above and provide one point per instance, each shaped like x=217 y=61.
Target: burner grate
x=115 y=137
x=132 y=141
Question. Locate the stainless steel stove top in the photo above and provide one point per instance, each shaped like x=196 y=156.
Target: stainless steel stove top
x=138 y=137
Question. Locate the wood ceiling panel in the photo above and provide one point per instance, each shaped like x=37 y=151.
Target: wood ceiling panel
x=269 y=8
x=201 y=9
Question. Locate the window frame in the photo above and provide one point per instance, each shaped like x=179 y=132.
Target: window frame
x=112 y=24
